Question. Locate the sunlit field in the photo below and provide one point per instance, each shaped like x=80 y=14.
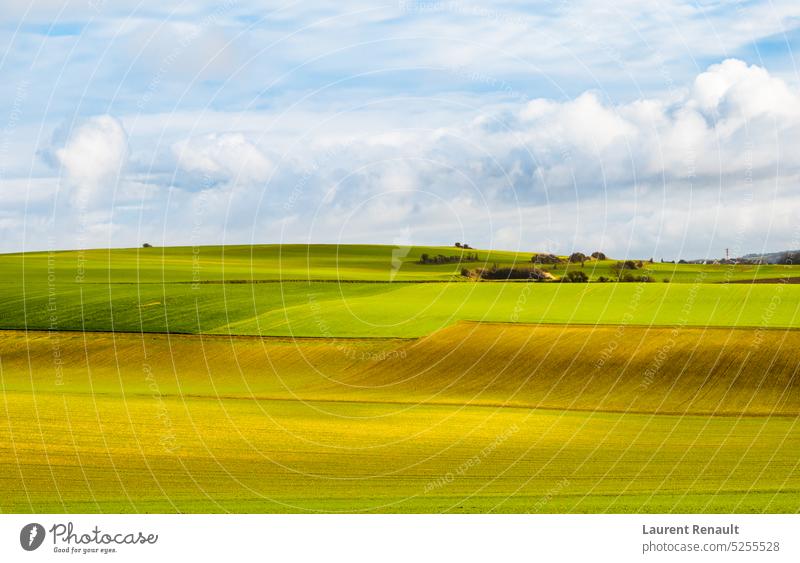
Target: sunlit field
x=346 y=379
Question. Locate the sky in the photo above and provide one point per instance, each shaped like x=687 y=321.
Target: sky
x=666 y=129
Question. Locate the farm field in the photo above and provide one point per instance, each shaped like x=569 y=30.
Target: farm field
x=180 y=290
x=355 y=379
x=318 y=309
x=527 y=421
x=328 y=262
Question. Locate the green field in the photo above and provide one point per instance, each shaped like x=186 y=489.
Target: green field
x=136 y=381
x=318 y=262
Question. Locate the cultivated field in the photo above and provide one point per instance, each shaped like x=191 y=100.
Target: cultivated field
x=366 y=395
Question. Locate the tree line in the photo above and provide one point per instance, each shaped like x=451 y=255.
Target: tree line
x=442 y=259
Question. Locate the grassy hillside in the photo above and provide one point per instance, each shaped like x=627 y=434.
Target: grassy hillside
x=237 y=263
x=160 y=423
x=316 y=262
x=416 y=310
x=387 y=310
x=179 y=290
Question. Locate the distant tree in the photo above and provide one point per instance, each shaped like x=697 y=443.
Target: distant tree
x=545 y=259
x=147 y=245
x=576 y=257
x=618 y=268
x=665 y=280
x=442 y=259
x=597 y=255
x=458 y=245
x=651 y=260
x=681 y=261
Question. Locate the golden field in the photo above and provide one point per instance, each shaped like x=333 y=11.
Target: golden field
x=474 y=418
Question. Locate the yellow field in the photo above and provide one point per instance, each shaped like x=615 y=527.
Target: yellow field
x=477 y=417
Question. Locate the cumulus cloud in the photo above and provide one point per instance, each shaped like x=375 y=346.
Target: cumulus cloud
x=734 y=89
x=225 y=157
x=92 y=157
x=735 y=121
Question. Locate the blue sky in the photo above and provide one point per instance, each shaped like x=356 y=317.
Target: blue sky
x=565 y=125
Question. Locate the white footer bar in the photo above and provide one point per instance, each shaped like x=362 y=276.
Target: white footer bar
x=400 y=538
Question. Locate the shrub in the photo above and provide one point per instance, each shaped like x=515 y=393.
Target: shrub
x=575 y=276
x=507 y=273
x=630 y=278
x=441 y=259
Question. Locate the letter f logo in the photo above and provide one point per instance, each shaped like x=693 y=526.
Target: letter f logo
x=31 y=536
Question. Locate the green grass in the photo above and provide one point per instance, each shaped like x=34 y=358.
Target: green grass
x=315 y=262
x=387 y=310
x=416 y=310
x=179 y=308
x=165 y=290
x=236 y=263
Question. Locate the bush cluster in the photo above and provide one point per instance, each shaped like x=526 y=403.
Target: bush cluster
x=505 y=273
x=631 y=278
x=442 y=259
x=575 y=276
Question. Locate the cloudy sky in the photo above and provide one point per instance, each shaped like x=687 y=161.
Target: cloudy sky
x=671 y=131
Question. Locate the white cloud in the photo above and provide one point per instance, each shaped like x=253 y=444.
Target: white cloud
x=734 y=89
x=736 y=121
x=646 y=177
x=92 y=158
x=224 y=157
